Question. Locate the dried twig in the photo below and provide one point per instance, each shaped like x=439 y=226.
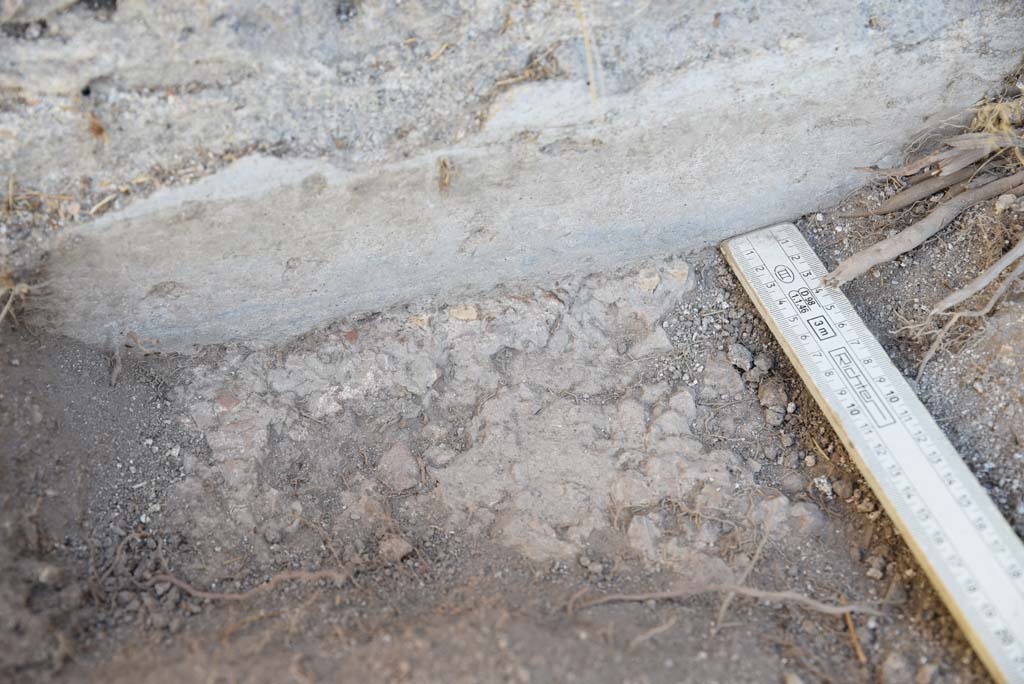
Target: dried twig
x=853 y=635
x=7 y=307
x=913 y=236
x=821 y=452
x=115 y=365
x=16 y=290
x=990 y=141
x=324 y=537
x=909 y=169
x=570 y=607
x=436 y=54
x=444 y=175
x=984 y=311
x=102 y=204
x=746 y=573
x=588 y=55
x=337 y=576
x=541 y=65
x=965 y=158
x=763 y=594
x=912 y=194
x=982 y=281
x=650 y=634
x=800 y=657
x=961 y=151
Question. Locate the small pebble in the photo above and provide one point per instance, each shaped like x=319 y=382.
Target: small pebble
x=740 y=356
x=772 y=394
x=394 y=548
x=926 y=674
x=876 y=570
x=843 y=488
x=895 y=669
x=273 y=534
x=1004 y=202
x=754 y=375
x=50 y=575
x=822 y=484
x=774 y=417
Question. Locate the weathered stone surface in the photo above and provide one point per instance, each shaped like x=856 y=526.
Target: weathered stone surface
x=394 y=548
x=23 y=11
x=404 y=174
x=398 y=469
x=772 y=394
x=740 y=356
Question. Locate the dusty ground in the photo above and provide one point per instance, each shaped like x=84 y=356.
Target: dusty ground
x=465 y=469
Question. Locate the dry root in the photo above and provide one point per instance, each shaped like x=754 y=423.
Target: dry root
x=995 y=135
x=339 y=577
x=651 y=633
x=914 y=193
x=995 y=132
x=11 y=290
x=913 y=236
x=720 y=619
x=762 y=594
x=1003 y=288
x=981 y=282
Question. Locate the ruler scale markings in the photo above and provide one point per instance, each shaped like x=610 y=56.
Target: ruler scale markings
x=967 y=549
x=913 y=427
x=894 y=471
x=916 y=432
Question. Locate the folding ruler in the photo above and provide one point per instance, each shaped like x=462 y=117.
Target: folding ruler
x=968 y=550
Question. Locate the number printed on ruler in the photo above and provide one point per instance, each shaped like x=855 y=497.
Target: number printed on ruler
x=975 y=559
